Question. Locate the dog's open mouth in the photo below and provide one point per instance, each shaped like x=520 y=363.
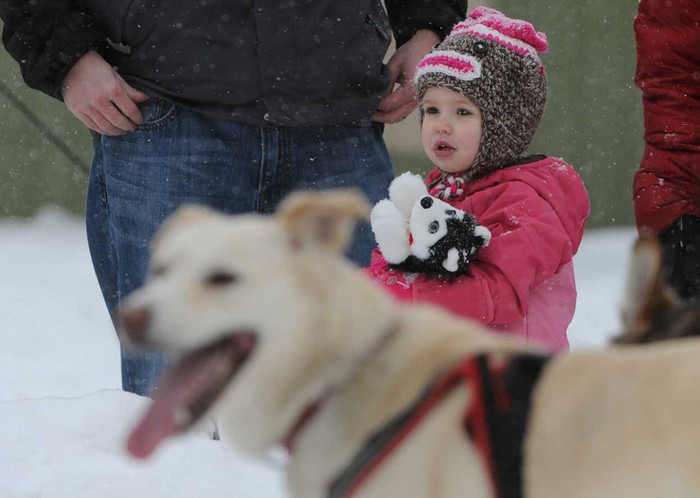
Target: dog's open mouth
x=188 y=389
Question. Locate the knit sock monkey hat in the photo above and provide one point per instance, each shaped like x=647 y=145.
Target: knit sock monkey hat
x=492 y=59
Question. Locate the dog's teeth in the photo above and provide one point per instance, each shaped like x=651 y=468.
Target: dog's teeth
x=182 y=417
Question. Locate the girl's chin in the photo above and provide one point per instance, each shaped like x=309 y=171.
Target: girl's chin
x=449 y=166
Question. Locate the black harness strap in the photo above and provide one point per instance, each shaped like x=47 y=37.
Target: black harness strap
x=498 y=426
x=496 y=421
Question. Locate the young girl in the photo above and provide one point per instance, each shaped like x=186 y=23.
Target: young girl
x=481 y=94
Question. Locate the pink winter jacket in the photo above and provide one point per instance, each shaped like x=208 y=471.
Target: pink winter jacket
x=523 y=282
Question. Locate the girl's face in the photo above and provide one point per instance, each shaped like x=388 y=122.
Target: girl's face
x=451 y=131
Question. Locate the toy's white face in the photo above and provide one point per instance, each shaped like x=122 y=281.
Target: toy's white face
x=451 y=131
x=429 y=224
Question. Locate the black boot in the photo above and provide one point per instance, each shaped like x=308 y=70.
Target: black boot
x=681 y=255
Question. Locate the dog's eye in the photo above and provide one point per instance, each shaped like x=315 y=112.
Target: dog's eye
x=219 y=278
x=450 y=212
x=433 y=227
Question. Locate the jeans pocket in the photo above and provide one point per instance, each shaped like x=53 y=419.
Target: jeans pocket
x=156 y=113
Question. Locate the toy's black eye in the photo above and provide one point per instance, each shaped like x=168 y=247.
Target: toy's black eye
x=426 y=202
x=450 y=212
x=480 y=48
x=221 y=278
x=433 y=227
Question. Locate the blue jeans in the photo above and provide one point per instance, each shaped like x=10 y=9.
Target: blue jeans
x=178 y=156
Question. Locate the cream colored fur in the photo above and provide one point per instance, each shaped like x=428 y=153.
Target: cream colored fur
x=613 y=423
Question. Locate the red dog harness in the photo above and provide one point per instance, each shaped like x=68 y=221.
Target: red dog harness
x=495 y=421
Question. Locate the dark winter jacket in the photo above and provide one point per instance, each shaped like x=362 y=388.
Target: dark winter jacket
x=667 y=185
x=255 y=61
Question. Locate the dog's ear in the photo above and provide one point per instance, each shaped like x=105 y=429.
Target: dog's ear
x=647 y=294
x=184 y=215
x=322 y=219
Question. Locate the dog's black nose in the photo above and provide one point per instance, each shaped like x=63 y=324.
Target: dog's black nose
x=426 y=202
x=135 y=323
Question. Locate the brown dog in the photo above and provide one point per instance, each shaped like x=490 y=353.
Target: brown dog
x=652 y=311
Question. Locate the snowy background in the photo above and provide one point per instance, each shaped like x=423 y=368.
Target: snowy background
x=63 y=418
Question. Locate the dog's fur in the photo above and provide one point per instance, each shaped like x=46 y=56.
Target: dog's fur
x=611 y=423
x=652 y=311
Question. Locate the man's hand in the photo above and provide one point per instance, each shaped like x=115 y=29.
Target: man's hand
x=401 y=101
x=96 y=94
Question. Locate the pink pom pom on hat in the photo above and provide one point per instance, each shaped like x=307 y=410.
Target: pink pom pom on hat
x=516 y=34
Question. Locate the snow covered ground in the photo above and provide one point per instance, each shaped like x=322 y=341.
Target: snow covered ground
x=63 y=418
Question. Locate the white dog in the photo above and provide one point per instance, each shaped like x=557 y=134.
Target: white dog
x=295 y=348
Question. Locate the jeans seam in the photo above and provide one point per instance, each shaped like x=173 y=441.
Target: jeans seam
x=108 y=211
x=261 y=173
x=103 y=183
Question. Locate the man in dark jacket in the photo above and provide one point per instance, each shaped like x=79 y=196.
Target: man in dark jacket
x=227 y=103
x=667 y=185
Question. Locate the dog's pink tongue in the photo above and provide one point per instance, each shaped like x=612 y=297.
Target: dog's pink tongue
x=181 y=385
x=158 y=424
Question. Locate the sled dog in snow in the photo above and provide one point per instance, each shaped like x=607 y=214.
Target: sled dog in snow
x=652 y=311
x=292 y=347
